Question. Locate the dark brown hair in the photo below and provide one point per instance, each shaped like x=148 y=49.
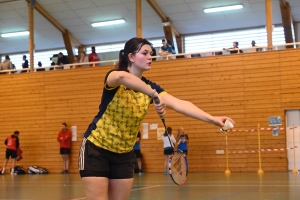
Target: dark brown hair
x=133 y=46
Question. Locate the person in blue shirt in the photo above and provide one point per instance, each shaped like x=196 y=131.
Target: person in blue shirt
x=183 y=140
x=137 y=152
x=166 y=49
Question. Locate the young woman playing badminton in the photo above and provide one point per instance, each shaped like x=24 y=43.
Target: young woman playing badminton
x=106 y=155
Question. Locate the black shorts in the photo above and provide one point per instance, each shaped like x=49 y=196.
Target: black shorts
x=168 y=151
x=11 y=153
x=64 y=150
x=97 y=162
x=138 y=153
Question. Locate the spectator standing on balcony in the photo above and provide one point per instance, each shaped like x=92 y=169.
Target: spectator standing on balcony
x=93 y=57
x=25 y=63
x=62 y=59
x=6 y=64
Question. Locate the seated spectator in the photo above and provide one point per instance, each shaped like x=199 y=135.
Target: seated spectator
x=40 y=65
x=196 y=55
x=62 y=59
x=25 y=63
x=253 y=45
x=76 y=59
x=6 y=64
x=234 y=49
x=170 y=43
x=166 y=49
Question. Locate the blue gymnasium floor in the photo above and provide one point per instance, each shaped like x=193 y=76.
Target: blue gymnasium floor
x=156 y=186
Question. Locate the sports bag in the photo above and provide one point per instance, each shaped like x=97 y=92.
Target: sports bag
x=19 y=170
x=37 y=170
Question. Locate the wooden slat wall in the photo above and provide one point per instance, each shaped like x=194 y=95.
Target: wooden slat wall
x=247 y=87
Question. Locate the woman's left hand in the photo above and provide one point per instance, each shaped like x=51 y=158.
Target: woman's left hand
x=220 y=121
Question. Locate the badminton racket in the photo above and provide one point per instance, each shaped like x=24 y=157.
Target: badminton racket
x=178 y=165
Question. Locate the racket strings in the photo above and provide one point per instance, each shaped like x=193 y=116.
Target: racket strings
x=178 y=168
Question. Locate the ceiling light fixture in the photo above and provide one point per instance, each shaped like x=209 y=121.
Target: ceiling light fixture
x=223 y=8
x=15 y=34
x=107 y=23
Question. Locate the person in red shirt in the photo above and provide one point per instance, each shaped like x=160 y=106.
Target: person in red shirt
x=64 y=139
x=93 y=57
x=12 y=143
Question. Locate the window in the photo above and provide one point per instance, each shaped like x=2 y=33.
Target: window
x=215 y=41
x=118 y=46
x=43 y=57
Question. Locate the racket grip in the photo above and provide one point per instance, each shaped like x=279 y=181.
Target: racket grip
x=156 y=100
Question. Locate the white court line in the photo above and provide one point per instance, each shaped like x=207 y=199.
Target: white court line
x=131 y=190
x=233 y=185
x=146 y=187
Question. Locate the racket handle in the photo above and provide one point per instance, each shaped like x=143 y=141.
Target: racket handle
x=156 y=100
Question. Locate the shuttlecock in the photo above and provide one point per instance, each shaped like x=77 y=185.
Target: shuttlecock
x=227 y=126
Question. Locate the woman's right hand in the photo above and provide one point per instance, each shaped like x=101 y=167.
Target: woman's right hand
x=159 y=105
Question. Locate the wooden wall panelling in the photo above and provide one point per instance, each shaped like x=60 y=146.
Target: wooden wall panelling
x=246 y=87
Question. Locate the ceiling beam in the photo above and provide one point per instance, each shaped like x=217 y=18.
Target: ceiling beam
x=286 y=17
x=31 y=36
x=68 y=45
x=53 y=21
x=171 y=32
x=157 y=9
x=269 y=23
x=282 y=2
x=139 y=27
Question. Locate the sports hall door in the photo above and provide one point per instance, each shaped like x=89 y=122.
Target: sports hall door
x=293 y=118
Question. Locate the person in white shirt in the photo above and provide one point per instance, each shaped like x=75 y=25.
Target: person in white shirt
x=169 y=143
x=6 y=64
x=83 y=58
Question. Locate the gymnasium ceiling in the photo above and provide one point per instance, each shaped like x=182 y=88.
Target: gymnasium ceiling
x=77 y=15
